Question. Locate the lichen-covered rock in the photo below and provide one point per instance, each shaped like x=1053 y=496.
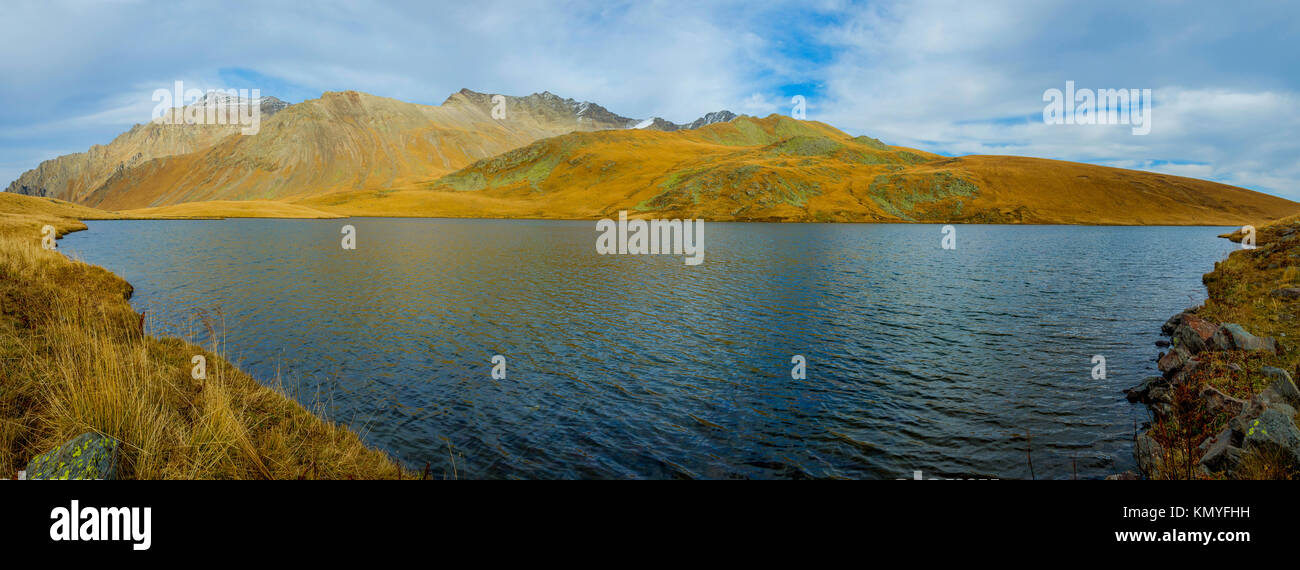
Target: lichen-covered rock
x=1274 y=433
x=87 y=456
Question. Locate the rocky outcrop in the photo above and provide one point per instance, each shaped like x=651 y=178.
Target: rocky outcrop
x=1263 y=425
x=659 y=124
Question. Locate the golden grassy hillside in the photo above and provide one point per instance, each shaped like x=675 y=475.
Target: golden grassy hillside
x=228 y=209
x=20 y=213
x=74 y=358
x=781 y=169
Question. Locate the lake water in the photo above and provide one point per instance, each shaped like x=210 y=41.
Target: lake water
x=918 y=358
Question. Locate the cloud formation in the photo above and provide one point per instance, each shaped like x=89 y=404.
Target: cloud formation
x=948 y=76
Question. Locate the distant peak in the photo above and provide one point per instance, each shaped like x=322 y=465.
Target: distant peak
x=659 y=124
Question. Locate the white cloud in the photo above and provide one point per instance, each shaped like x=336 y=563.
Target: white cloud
x=951 y=76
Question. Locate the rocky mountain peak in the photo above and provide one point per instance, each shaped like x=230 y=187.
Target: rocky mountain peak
x=659 y=124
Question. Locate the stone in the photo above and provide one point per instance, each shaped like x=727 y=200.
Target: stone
x=1184 y=372
x=1167 y=329
x=1149 y=454
x=1194 y=333
x=1162 y=343
x=1216 y=401
x=1125 y=476
x=1286 y=293
x=1222 y=452
x=1173 y=360
x=1232 y=336
x=1274 y=433
x=1282 y=388
x=1140 y=392
x=1159 y=393
x=87 y=456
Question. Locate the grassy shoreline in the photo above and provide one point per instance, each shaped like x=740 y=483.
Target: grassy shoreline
x=74 y=357
x=1246 y=289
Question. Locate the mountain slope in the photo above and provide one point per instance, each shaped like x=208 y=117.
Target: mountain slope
x=781 y=169
x=345 y=140
x=543 y=156
x=73 y=176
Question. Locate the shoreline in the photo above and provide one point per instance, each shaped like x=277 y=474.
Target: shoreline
x=1179 y=437
x=76 y=359
x=1224 y=406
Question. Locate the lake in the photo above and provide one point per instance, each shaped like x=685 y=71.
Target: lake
x=918 y=358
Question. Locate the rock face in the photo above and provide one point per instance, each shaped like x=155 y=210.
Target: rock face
x=658 y=124
x=343 y=141
x=73 y=177
x=87 y=456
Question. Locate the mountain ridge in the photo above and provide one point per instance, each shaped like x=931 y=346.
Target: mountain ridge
x=542 y=155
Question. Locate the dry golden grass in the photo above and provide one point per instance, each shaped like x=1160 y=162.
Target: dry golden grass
x=228 y=209
x=73 y=358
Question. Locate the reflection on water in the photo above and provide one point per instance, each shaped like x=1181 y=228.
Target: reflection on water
x=640 y=366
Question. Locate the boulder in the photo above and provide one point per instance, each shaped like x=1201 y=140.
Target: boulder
x=1231 y=336
x=1274 y=433
x=1173 y=360
x=1167 y=329
x=1140 y=392
x=1125 y=476
x=1222 y=452
x=1180 y=376
x=1217 y=401
x=1194 y=333
x=87 y=456
x=1281 y=389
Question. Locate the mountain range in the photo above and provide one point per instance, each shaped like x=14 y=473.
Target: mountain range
x=543 y=156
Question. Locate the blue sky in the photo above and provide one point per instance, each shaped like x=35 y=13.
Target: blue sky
x=955 y=77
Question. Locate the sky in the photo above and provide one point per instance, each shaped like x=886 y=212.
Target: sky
x=952 y=77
